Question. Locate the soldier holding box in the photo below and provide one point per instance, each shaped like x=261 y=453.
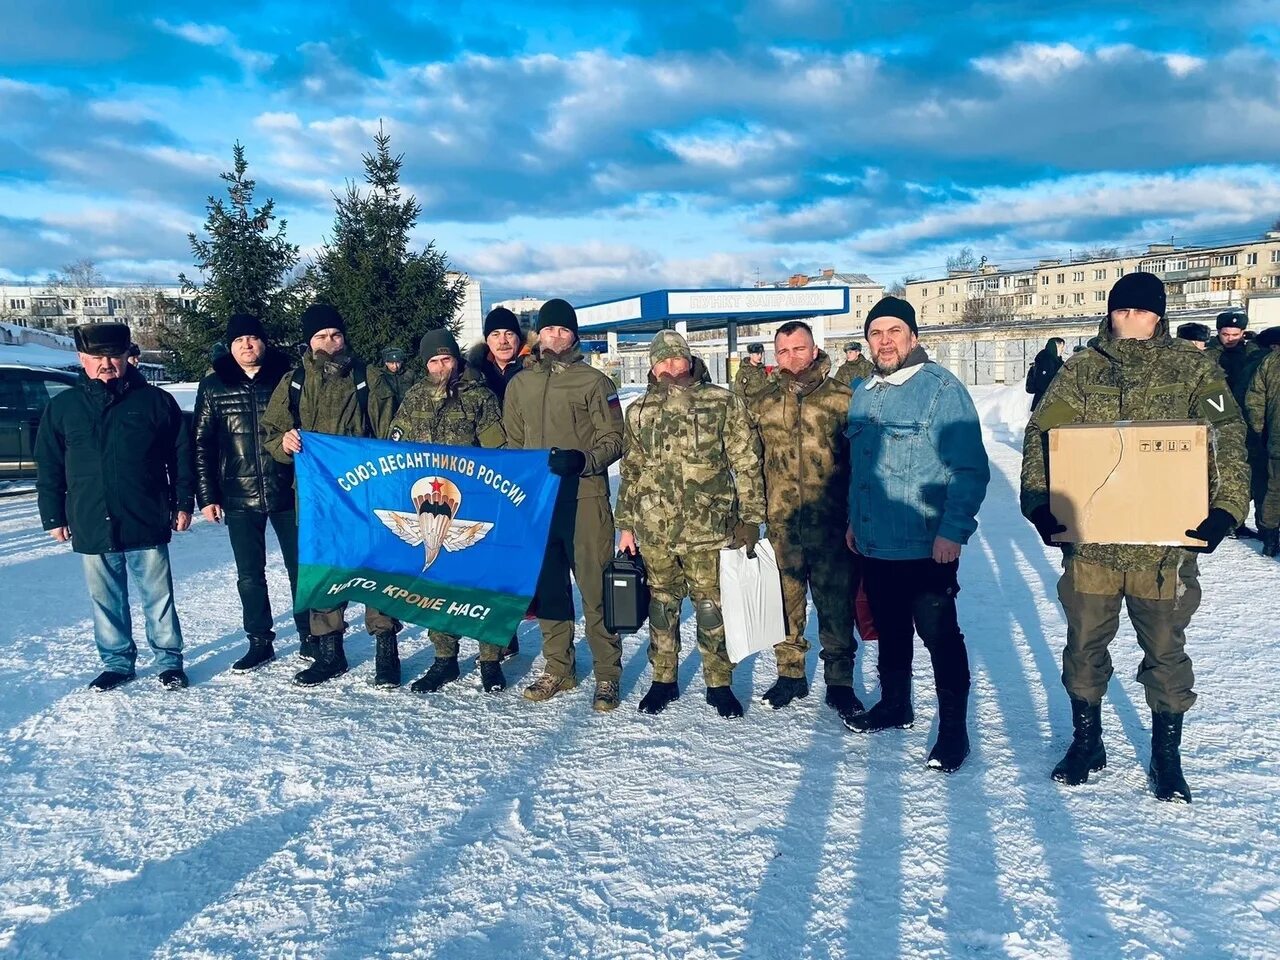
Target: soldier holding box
x=1134 y=370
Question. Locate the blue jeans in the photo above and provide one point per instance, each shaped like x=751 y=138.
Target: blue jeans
x=107 y=575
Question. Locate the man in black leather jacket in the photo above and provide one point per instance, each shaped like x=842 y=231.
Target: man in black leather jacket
x=239 y=482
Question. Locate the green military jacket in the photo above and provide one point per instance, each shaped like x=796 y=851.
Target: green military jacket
x=691 y=469
x=1156 y=379
x=328 y=404
x=464 y=413
x=750 y=379
x=400 y=383
x=1262 y=403
x=853 y=370
x=801 y=422
x=567 y=403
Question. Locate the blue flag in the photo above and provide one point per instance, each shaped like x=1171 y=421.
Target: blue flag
x=448 y=537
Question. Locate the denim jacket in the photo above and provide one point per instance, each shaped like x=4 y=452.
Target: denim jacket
x=919 y=469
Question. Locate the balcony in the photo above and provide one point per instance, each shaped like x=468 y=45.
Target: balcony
x=99 y=311
x=46 y=310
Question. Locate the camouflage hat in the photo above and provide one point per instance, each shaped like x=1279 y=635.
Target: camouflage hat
x=668 y=344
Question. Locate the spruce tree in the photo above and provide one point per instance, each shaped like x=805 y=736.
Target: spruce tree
x=388 y=293
x=246 y=265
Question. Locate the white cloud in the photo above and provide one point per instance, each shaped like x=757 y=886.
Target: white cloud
x=1025 y=62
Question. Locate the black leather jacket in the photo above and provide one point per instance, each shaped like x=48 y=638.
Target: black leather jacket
x=232 y=469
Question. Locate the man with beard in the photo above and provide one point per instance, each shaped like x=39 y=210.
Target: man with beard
x=500 y=357
x=114 y=478
x=239 y=482
x=920 y=473
x=331 y=392
x=691 y=485
x=1135 y=371
x=561 y=402
x=451 y=405
x=1239 y=360
x=800 y=418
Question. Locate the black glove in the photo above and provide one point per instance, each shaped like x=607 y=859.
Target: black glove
x=567 y=463
x=746 y=535
x=1046 y=525
x=1212 y=529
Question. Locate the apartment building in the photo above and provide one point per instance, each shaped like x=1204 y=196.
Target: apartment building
x=1215 y=277
x=59 y=308
x=863 y=293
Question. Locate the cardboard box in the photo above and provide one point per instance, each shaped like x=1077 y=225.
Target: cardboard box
x=1129 y=482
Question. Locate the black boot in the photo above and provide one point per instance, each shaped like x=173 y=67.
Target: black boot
x=659 y=697
x=491 y=676
x=1087 y=754
x=309 y=648
x=844 y=701
x=442 y=670
x=952 y=746
x=893 y=710
x=1165 y=772
x=386 y=667
x=109 y=680
x=784 y=690
x=724 y=701
x=1270 y=541
x=261 y=652
x=331 y=661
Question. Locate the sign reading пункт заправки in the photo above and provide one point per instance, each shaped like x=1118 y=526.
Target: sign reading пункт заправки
x=446 y=537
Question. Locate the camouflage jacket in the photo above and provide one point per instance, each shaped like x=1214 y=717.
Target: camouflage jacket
x=750 y=380
x=328 y=404
x=691 y=466
x=400 y=383
x=1262 y=403
x=852 y=371
x=801 y=423
x=464 y=413
x=1156 y=379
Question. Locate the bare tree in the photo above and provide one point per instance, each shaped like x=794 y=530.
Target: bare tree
x=963 y=259
x=899 y=287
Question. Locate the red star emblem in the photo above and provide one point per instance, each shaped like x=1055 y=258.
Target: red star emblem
x=435 y=486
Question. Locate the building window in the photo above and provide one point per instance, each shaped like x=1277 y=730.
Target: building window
x=1250 y=259
x=1044 y=301
x=1077 y=276
x=1062 y=278
x=860 y=314
x=1044 y=280
x=924 y=310
x=942 y=291
x=1253 y=283
x=1275 y=256
x=955 y=307
x=1061 y=299
x=1078 y=298
x=1099 y=274
x=1224 y=260
x=1119 y=272
x=1100 y=295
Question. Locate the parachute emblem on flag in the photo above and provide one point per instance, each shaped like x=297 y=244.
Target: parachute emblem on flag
x=434 y=523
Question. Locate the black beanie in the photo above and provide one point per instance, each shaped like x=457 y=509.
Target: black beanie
x=892 y=307
x=500 y=318
x=1194 y=331
x=1233 y=318
x=557 y=313
x=321 y=316
x=437 y=343
x=1138 y=291
x=1268 y=338
x=245 y=325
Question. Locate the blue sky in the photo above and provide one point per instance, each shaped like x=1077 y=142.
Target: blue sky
x=564 y=149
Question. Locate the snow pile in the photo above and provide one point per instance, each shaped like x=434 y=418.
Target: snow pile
x=1003 y=412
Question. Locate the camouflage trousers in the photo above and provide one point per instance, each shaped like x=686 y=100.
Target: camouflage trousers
x=672 y=576
x=826 y=569
x=334 y=620
x=1259 y=481
x=446 y=645
x=1161 y=603
x=1269 y=507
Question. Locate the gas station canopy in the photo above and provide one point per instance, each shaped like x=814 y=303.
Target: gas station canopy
x=709 y=309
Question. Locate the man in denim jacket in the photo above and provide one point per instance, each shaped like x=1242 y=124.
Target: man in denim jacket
x=919 y=474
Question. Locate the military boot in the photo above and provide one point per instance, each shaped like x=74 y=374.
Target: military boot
x=952 y=745
x=725 y=702
x=894 y=708
x=607 y=697
x=547 y=686
x=442 y=670
x=1165 y=772
x=784 y=690
x=331 y=661
x=309 y=647
x=491 y=676
x=1087 y=754
x=386 y=668
x=261 y=652
x=1270 y=540
x=843 y=701
x=659 y=697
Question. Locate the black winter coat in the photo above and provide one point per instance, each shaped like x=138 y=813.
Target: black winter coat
x=232 y=468
x=1043 y=369
x=113 y=465
x=479 y=361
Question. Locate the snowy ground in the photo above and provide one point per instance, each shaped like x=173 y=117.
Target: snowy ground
x=247 y=818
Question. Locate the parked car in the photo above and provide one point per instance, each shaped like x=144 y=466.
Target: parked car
x=24 y=393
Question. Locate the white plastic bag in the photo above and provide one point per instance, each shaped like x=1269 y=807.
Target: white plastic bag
x=751 y=601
